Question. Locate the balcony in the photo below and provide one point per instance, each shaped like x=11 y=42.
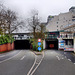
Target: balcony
x=66 y=36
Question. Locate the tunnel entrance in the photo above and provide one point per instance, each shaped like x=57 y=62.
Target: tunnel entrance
x=22 y=44
x=52 y=44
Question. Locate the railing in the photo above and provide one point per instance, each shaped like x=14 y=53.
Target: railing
x=21 y=38
x=51 y=37
x=67 y=25
x=68 y=46
x=67 y=36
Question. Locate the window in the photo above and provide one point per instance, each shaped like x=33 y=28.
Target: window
x=73 y=19
x=57 y=26
x=57 y=22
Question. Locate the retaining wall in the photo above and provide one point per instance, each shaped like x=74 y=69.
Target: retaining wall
x=7 y=47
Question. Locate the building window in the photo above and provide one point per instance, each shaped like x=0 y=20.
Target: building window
x=73 y=19
x=57 y=22
x=57 y=26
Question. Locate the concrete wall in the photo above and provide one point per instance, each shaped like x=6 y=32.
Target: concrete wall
x=74 y=44
x=44 y=43
x=59 y=21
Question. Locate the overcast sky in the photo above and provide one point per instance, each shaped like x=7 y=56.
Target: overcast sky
x=45 y=7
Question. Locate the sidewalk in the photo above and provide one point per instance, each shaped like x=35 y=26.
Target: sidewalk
x=71 y=56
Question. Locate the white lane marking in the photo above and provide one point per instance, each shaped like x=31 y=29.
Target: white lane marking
x=32 y=65
x=65 y=57
x=10 y=57
x=23 y=57
x=37 y=65
x=64 y=53
x=8 y=53
x=2 y=56
x=74 y=63
x=58 y=58
x=62 y=58
x=69 y=59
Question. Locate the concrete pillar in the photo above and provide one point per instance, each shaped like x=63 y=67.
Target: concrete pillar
x=74 y=44
x=44 y=44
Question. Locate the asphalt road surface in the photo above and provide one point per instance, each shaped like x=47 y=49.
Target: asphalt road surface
x=16 y=62
x=56 y=63
x=25 y=62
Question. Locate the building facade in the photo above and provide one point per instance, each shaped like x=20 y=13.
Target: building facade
x=58 y=22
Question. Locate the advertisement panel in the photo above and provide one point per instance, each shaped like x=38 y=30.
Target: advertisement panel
x=68 y=48
x=61 y=44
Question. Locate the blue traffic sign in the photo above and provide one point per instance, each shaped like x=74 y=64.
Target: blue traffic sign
x=39 y=48
x=39 y=43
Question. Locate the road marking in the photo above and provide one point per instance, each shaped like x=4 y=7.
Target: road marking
x=58 y=58
x=65 y=57
x=69 y=59
x=10 y=57
x=23 y=57
x=37 y=65
x=62 y=58
x=32 y=65
x=64 y=53
x=6 y=54
x=74 y=63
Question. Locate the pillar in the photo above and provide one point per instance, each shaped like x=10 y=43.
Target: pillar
x=74 y=44
x=44 y=44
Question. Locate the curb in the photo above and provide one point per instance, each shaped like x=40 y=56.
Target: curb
x=37 y=53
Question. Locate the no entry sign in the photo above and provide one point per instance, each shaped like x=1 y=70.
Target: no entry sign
x=39 y=40
x=39 y=44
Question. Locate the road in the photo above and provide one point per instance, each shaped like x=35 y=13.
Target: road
x=25 y=62
x=16 y=62
x=56 y=63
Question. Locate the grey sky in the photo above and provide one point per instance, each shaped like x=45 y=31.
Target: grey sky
x=45 y=7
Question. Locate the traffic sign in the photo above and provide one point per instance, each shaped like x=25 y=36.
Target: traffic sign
x=39 y=40
x=39 y=48
x=39 y=43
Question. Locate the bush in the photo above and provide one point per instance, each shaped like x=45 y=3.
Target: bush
x=6 y=39
x=34 y=43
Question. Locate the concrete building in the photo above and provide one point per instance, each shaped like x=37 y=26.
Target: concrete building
x=58 y=22
x=60 y=31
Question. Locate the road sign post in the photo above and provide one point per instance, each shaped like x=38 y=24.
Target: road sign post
x=39 y=44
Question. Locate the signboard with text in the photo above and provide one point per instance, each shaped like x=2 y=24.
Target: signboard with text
x=61 y=44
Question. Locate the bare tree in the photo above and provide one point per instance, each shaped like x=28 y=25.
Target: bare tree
x=13 y=21
x=35 y=25
x=3 y=27
x=42 y=30
x=33 y=22
x=9 y=20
